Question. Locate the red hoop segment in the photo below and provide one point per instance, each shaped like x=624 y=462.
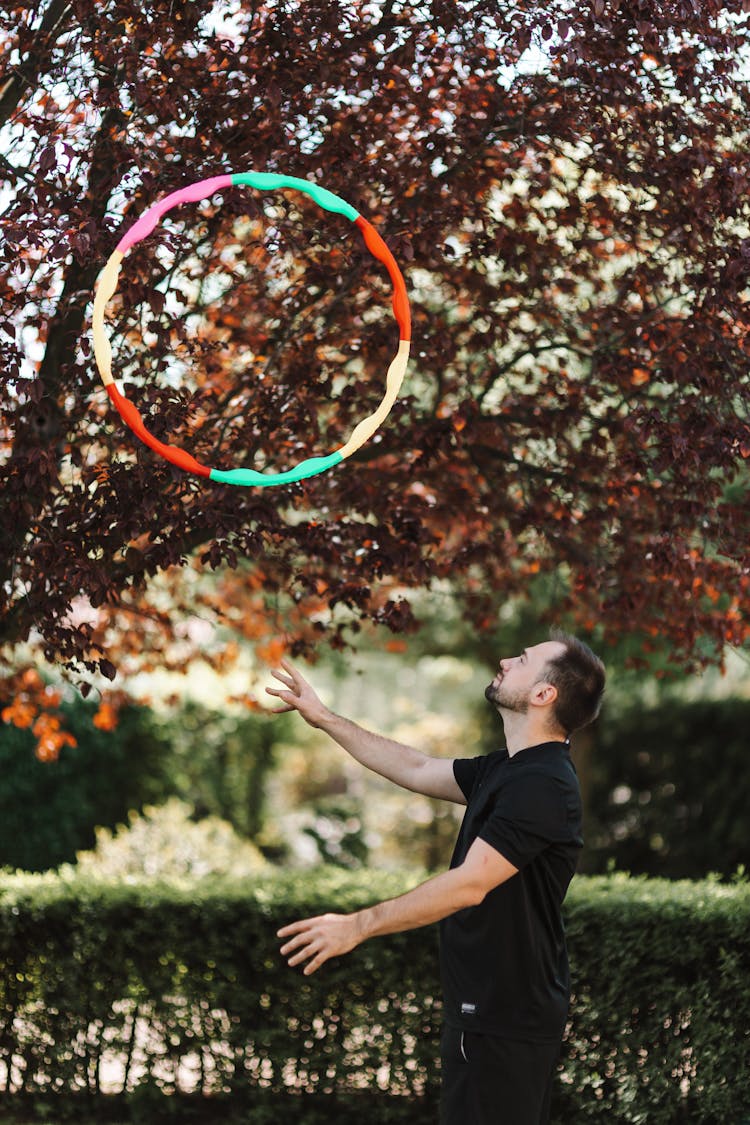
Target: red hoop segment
x=131 y=415
x=379 y=250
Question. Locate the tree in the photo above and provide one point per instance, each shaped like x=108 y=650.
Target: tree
x=574 y=234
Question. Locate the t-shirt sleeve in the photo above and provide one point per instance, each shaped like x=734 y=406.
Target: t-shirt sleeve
x=529 y=814
x=466 y=772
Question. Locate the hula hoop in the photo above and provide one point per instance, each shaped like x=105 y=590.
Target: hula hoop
x=262 y=181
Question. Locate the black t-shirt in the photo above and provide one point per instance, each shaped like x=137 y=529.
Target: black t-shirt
x=504 y=963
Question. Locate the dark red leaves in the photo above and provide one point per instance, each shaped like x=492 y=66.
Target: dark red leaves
x=47 y=159
x=571 y=236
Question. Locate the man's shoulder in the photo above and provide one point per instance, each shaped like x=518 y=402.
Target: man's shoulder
x=495 y=757
x=473 y=772
x=551 y=759
x=492 y=763
x=552 y=773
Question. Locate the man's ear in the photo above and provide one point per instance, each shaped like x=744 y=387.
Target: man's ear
x=543 y=694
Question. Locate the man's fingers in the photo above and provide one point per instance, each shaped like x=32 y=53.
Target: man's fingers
x=315 y=940
x=303 y=955
x=304 y=944
x=315 y=964
x=286 y=698
x=291 y=672
x=295 y=927
x=296 y=943
x=297 y=677
x=309 y=947
x=288 y=680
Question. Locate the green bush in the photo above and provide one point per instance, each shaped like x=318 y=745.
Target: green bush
x=166 y=842
x=218 y=762
x=221 y=760
x=150 y=989
x=660 y=1028
x=49 y=810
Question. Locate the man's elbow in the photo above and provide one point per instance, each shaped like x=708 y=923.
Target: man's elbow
x=473 y=893
x=480 y=879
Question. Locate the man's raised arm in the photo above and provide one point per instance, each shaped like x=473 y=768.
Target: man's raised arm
x=407 y=767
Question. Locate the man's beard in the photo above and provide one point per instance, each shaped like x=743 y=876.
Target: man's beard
x=495 y=694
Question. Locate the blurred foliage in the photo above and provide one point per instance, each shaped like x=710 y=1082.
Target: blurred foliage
x=419 y=827
x=220 y=761
x=337 y=833
x=328 y=808
x=180 y=989
x=217 y=762
x=49 y=810
x=670 y=790
x=167 y=843
x=314 y=815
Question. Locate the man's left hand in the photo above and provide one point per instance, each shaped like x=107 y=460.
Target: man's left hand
x=315 y=940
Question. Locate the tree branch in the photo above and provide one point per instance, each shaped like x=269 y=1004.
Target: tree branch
x=26 y=76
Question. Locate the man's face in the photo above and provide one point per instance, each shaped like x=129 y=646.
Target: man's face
x=516 y=677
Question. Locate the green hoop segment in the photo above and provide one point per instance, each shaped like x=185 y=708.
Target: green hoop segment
x=261 y=181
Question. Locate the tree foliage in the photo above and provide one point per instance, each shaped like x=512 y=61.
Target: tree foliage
x=574 y=232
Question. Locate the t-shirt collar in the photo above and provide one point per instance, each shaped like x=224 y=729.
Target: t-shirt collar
x=540 y=749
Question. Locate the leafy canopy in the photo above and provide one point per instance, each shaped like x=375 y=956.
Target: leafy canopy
x=566 y=189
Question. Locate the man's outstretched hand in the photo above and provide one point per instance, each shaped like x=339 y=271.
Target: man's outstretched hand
x=297 y=695
x=316 y=940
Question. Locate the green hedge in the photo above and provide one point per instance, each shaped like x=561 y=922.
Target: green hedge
x=140 y=990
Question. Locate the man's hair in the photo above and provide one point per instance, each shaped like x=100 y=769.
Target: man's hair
x=579 y=675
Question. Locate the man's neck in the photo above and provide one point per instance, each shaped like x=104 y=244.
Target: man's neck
x=521 y=732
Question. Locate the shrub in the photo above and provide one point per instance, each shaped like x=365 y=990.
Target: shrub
x=48 y=810
x=218 y=762
x=165 y=842
x=221 y=760
x=154 y=988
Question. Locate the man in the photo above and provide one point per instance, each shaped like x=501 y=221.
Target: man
x=503 y=958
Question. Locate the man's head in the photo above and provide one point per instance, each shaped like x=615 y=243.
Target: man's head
x=561 y=680
x=579 y=677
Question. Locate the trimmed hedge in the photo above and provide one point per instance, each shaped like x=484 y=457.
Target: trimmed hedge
x=140 y=990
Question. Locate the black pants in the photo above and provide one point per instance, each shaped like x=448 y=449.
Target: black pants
x=487 y=1080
